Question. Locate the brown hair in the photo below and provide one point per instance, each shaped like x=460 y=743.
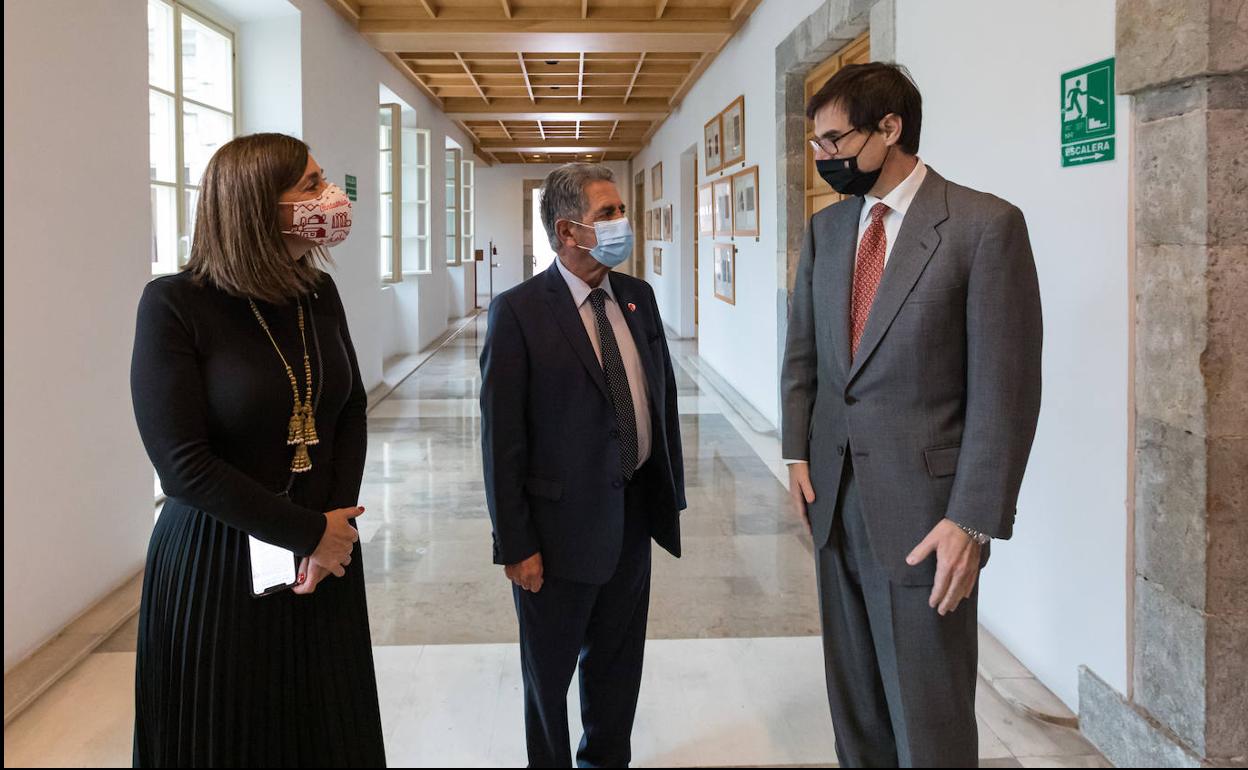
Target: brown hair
x=237 y=245
x=868 y=92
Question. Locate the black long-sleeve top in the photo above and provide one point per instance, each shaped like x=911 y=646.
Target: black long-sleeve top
x=213 y=404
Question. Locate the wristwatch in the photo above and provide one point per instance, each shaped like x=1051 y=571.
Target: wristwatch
x=977 y=536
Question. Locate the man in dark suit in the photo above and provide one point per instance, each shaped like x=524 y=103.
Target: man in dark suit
x=911 y=390
x=583 y=466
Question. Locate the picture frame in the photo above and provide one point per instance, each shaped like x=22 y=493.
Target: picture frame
x=725 y=279
x=649 y=225
x=733 y=132
x=667 y=223
x=722 y=207
x=657 y=260
x=745 y=202
x=712 y=148
x=656 y=182
x=706 y=209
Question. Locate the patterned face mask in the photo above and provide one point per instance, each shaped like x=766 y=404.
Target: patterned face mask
x=324 y=220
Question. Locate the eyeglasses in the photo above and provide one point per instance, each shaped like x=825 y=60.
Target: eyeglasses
x=828 y=146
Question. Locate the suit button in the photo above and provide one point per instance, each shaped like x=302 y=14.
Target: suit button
x=840 y=450
x=851 y=400
x=618 y=483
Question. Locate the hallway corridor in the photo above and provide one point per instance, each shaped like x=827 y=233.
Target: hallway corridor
x=734 y=668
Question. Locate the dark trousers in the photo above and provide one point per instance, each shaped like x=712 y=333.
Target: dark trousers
x=901 y=679
x=605 y=628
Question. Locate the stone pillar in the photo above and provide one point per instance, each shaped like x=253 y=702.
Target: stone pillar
x=1185 y=62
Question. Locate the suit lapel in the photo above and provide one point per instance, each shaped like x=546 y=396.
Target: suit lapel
x=559 y=297
x=641 y=339
x=844 y=245
x=916 y=241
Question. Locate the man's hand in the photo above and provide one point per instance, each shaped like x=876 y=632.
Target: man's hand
x=957 y=564
x=801 y=491
x=527 y=574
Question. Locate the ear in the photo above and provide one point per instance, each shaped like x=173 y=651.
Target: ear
x=563 y=229
x=891 y=126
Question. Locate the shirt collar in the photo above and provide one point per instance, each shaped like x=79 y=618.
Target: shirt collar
x=581 y=290
x=901 y=196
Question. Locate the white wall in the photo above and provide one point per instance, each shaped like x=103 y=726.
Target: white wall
x=1056 y=593
x=77 y=246
x=270 y=50
x=341 y=74
x=500 y=191
x=746 y=65
x=78 y=486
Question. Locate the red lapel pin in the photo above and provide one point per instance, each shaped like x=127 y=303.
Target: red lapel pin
x=632 y=308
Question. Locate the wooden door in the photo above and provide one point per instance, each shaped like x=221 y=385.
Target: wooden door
x=818 y=195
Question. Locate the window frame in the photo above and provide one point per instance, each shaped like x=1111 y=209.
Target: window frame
x=422 y=200
x=180 y=186
x=453 y=158
x=395 y=150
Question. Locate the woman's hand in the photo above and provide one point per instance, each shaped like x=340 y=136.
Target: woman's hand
x=334 y=551
x=309 y=575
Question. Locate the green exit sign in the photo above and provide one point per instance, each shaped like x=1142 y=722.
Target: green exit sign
x=1087 y=112
x=352 y=192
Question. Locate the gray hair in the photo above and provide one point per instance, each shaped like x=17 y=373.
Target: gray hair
x=563 y=195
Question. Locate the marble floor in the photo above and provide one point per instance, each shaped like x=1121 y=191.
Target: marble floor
x=733 y=672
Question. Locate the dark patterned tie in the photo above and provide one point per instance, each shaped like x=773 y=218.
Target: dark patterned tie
x=617 y=384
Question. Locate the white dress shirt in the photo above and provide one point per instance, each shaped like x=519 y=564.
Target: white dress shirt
x=628 y=350
x=898 y=201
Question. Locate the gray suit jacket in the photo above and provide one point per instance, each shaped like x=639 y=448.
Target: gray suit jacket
x=939 y=408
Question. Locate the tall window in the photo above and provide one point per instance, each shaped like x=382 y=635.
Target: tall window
x=191 y=114
x=404 y=175
x=452 y=206
x=390 y=184
x=468 y=219
x=415 y=184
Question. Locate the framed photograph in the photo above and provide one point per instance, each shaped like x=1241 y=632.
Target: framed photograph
x=706 y=210
x=722 y=205
x=649 y=224
x=726 y=273
x=658 y=261
x=733 y=150
x=712 y=150
x=667 y=223
x=745 y=202
x=656 y=182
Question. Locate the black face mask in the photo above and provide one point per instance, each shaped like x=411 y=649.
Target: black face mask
x=844 y=176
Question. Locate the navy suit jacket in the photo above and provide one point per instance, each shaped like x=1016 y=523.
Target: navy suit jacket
x=549 y=440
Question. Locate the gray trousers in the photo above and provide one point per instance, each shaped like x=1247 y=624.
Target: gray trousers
x=901 y=679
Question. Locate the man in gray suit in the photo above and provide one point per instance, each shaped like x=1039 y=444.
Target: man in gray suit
x=911 y=388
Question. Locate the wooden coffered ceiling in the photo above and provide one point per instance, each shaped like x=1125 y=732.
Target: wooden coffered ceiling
x=551 y=80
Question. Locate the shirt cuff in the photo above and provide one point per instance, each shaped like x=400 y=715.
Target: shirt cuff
x=795 y=462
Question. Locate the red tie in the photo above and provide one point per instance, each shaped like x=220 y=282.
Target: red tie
x=868 y=270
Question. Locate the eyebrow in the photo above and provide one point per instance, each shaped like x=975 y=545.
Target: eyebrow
x=833 y=135
x=607 y=209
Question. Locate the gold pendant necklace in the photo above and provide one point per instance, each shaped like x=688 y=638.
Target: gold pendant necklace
x=301 y=431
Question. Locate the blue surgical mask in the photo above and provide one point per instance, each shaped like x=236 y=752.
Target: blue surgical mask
x=615 y=241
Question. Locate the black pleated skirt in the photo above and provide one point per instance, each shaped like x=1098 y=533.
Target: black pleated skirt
x=225 y=679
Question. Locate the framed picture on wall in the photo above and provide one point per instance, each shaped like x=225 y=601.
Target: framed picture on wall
x=745 y=202
x=722 y=204
x=649 y=235
x=706 y=210
x=656 y=182
x=734 y=133
x=667 y=223
x=726 y=273
x=658 y=261
x=712 y=150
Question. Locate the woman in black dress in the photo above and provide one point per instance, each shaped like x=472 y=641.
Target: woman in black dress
x=250 y=404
